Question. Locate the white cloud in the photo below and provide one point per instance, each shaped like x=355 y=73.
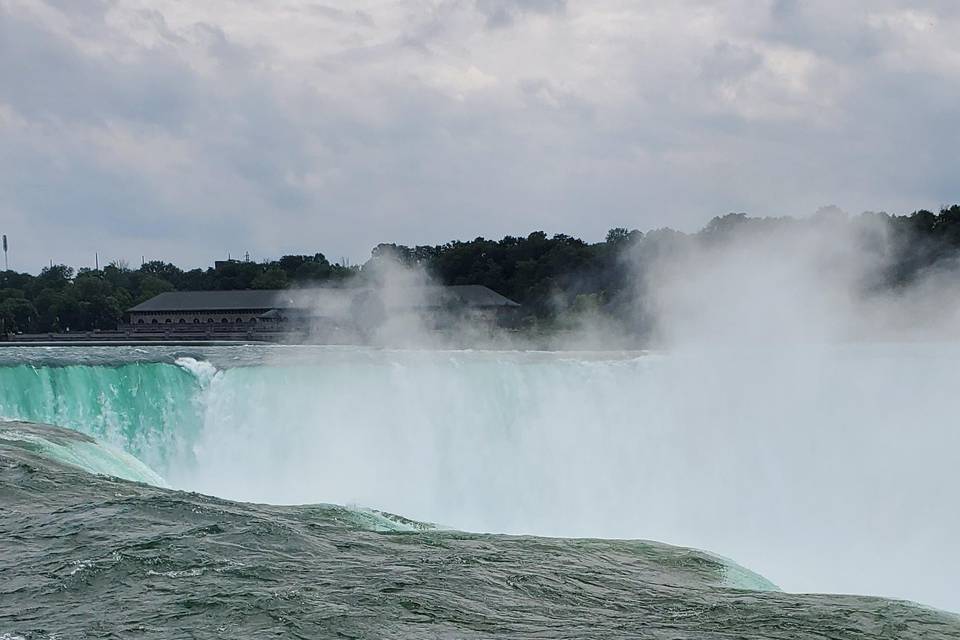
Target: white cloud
x=303 y=126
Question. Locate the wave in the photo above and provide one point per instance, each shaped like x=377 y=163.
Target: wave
x=75 y=449
x=51 y=444
x=202 y=370
x=189 y=565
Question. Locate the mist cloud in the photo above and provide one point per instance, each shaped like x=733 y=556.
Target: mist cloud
x=829 y=279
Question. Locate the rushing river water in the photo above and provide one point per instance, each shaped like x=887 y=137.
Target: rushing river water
x=825 y=469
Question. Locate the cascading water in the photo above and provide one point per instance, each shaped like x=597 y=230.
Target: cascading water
x=792 y=462
x=75 y=449
x=148 y=409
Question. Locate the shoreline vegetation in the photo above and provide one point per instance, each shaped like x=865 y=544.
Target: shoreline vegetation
x=557 y=279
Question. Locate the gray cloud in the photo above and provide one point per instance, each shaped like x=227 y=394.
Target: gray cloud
x=187 y=131
x=49 y=77
x=502 y=13
x=356 y=17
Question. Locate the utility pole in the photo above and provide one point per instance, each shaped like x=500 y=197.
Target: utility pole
x=96 y=261
x=6 y=263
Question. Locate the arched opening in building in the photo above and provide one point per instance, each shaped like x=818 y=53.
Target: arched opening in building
x=224 y=321
x=140 y=321
x=154 y=321
x=168 y=321
x=196 y=321
x=181 y=321
x=253 y=321
x=209 y=320
x=239 y=320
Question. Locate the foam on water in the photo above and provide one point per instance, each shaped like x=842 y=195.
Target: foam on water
x=75 y=450
x=201 y=369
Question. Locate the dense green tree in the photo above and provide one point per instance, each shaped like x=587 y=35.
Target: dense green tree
x=272 y=278
x=17 y=314
x=150 y=286
x=555 y=278
x=163 y=270
x=55 y=276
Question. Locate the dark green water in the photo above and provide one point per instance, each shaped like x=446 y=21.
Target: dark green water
x=88 y=556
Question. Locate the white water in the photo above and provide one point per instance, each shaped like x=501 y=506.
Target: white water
x=88 y=455
x=824 y=469
x=830 y=469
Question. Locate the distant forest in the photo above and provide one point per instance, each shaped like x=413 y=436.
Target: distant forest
x=553 y=277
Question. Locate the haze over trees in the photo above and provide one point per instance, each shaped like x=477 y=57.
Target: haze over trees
x=553 y=277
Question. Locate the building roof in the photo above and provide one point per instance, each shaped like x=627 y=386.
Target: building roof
x=476 y=296
x=252 y=299
x=468 y=295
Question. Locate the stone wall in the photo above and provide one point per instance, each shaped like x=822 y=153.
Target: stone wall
x=148 y=319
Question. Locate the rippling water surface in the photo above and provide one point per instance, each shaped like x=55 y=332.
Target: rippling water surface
x=825 y=469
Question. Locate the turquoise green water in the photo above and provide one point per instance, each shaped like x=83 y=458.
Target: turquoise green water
x=74 y=449
x=130 y=406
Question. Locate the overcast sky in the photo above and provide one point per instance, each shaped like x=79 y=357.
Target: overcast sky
x=186 y=129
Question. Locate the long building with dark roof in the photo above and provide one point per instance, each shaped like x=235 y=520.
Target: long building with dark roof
x=357 y=305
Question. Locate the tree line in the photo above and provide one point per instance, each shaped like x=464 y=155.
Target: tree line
x=553 y=277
